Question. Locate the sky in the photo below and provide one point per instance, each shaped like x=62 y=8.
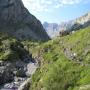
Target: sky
x=57 y=11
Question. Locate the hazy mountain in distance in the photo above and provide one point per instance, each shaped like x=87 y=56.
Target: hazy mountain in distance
x=53 y=29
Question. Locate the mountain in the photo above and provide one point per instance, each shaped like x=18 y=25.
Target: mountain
x=64 y=63
x=81 y=22
x=83 y=19
x=16 y=20
x=53 y=29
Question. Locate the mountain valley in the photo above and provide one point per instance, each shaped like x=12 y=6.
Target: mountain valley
x=42 y=57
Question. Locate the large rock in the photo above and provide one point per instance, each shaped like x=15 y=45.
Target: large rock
x=6 y=73
x=25 y=85
x=17 y=21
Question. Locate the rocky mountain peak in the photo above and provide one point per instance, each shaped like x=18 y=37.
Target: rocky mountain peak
x=16 y=20
x=72 y=25
x=83 y=19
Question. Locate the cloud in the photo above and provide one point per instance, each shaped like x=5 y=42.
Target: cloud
x=69 y=2
x=37 y=6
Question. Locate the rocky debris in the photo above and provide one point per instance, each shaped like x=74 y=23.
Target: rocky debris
x=1 y=63
x=16 y=20
x=20 y=73
x=6 y=75
x=15 y=74
x=25 y=85
x=68 y=53
x=13 y=85
x=73 y=56
x=6 y=72
x=17 y=66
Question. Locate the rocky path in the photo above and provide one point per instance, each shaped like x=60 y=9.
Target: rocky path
x=19 y=83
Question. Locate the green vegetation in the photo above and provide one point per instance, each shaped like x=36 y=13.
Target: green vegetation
x=10 y=48
x=64 y=62
x=59 y=68
x=31 y=46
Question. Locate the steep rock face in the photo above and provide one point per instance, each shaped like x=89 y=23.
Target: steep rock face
x=17 y=21
x=83 y=19
x=51 y=28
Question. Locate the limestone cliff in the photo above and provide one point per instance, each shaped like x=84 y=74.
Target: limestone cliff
x=16 y=20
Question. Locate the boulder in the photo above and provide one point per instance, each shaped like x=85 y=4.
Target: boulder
x=6 y=75
x=25 y=85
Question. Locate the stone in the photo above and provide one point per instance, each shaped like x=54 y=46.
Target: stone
x=6 y=76
x=21 y=73
x=25 y=85
x=1 y=63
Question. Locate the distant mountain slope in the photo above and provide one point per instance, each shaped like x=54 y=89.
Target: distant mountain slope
x=83 y=19
x=53 y=29
x=16 y=20
x=81 y=22
x=64 y=63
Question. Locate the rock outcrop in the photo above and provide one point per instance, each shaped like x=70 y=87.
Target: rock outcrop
x=16 y=74
x=6 y=73
x=16 y=20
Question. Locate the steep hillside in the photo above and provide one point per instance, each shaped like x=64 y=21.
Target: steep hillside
x=16 y=20
x=64 y=63
x=16 y=63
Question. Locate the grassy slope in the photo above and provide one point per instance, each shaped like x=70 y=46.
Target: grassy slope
x=59 y=72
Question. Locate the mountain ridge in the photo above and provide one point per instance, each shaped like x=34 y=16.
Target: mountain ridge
x=16 y=20
x=82 y=21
